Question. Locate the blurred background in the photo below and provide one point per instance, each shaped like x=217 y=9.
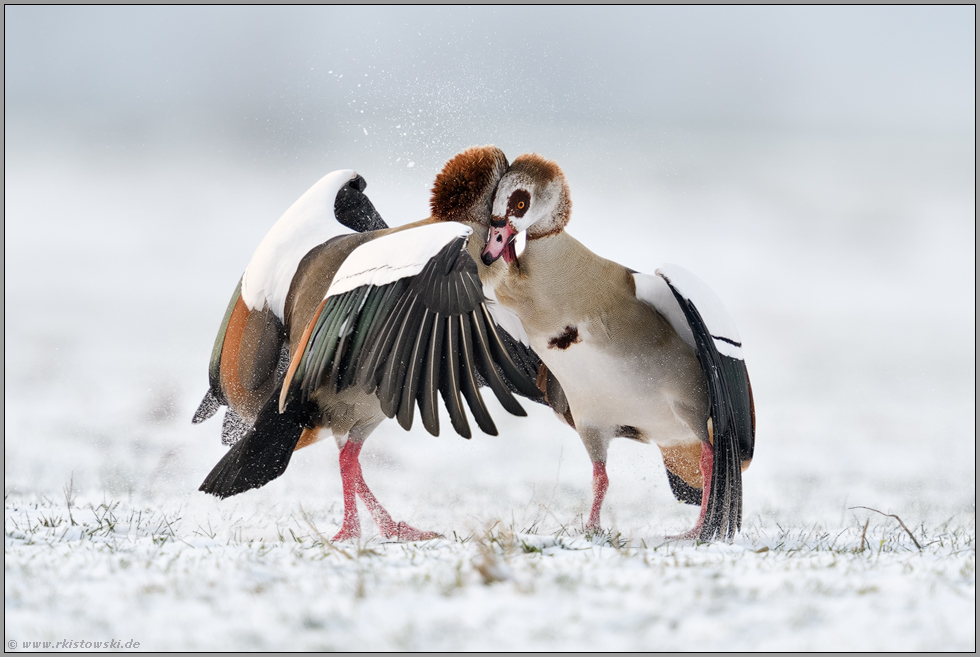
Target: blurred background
x=814 y=165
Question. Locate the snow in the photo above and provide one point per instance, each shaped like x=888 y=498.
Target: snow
x=863 y=400
x=266 y=578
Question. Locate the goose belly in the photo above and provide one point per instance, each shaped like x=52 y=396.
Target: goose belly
x=650 y=397
x=340 y=412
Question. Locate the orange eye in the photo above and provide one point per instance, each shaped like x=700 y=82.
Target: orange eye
x=520 y=205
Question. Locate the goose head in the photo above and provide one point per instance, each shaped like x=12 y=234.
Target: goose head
x=463 y=190
x=532 y=196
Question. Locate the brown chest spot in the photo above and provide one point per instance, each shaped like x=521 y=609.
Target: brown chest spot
x=566 y=339
x=627 y=431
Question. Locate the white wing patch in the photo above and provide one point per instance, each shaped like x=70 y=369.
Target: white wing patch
x=655 y=291
x=394 y=256
x=504 y=317
x=308 y=222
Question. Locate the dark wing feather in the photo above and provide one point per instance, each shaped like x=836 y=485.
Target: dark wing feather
x=416 y=365
x=449 y=382
x=489 y=371
x=263 y=357
x=406 y=340
x=468 y=373
x=526 y=360
x=393 y=369
x=429 y=385
x=525 y=383
x=379 y=344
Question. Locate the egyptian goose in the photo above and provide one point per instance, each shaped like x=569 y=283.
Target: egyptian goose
x=331 y=331
x=650 y=358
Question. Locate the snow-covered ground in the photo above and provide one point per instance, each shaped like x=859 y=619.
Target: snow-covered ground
x=849 y=266
x=263 y=576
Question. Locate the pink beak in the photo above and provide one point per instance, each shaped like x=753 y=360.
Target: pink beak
x=500 y=242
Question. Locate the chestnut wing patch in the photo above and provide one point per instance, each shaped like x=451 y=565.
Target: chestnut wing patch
x=215 y=398
x=260 y=347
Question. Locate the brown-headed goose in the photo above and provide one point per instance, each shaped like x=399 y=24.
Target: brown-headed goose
x=330 y=331
x=650 y=358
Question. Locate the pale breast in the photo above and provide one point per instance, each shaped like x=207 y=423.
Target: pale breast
x=619 y=361
x=639 y=376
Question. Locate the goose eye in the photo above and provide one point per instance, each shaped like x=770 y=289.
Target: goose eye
x=518 y=203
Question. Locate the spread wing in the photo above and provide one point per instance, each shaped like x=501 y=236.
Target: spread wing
x=405 y=318
x=699 y=317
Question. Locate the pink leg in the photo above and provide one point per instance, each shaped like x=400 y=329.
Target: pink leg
x=350 y=472
x=354 y=484
x=389 y=528
x=707 y=464
x=600 y=484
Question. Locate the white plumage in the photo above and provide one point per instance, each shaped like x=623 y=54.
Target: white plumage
x=308 y=222
x=716 y=318
x=393 y=257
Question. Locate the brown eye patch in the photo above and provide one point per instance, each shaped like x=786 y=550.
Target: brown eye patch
x=518 y=203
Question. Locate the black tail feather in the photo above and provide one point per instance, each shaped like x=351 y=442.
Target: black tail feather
x=723 y=518
x=732 y=418
x=234 y=427
x=261 y=456
x=683 y=491
x=209 y=406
